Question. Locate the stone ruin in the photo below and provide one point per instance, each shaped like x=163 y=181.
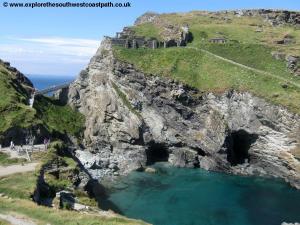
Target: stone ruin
x=292 y=61
x=128 y=39
x=274 y=17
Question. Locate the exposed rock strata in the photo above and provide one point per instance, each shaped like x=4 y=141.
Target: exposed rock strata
x=274 y=17
x=133 y=119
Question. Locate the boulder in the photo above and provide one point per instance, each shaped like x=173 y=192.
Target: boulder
x=184 y=157
x=207 y=163
x=150 y=170
x=292 y=62
x=278 y=55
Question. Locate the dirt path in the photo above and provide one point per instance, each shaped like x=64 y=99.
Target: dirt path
x=247 y=67
x=16 y=220
x=8 y=170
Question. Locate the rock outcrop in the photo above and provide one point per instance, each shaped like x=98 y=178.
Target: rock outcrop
x=146 y=18
x=20 y=77
x=274 y=17
x=292 y=62
x=172 y=35
x=134 y=119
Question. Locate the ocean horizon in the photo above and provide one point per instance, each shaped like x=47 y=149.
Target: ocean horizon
x=42 y=81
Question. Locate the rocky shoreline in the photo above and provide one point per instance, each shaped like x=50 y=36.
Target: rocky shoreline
x=134 y=120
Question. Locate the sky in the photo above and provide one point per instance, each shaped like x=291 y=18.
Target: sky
x=61 y=41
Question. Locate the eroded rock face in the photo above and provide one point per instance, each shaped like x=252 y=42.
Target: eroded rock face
x=146 y=18
x=133 y=120
x=274 y=17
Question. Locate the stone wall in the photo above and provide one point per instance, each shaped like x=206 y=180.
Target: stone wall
x=127 y=39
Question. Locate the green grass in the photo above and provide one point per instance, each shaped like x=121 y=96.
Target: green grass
x=243 y=29
x=254 y=55
x=4 y=222
x=124 y=99
x=61 y=179
x=5 y=160
x=147 y=30
x=13 y=109
x=84 y=199
x=45 y=215
x=19 y=185
x=209 y=74
x=59 y=118
x=15 y=112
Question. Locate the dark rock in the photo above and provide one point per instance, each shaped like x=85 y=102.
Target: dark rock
x=292 y=63
x=177 y=124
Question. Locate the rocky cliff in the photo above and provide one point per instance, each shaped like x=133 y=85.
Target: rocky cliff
x=135 y=119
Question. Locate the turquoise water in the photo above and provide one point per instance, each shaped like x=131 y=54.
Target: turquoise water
x=175 y=196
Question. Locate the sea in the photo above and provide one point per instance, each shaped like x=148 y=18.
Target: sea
x=181 y=196
x=41 y=81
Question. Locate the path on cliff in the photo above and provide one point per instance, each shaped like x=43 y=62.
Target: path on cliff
x=17 y=153
x=247 y=67
x=16 y=220
x=9 y=170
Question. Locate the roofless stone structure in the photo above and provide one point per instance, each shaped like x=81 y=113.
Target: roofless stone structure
x=128 y=39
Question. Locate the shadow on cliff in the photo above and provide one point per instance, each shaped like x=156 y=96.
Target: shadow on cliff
x=97 y=191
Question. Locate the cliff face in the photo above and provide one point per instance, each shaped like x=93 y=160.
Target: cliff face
x=21 y=83
x=133 y=120
x=274 y=17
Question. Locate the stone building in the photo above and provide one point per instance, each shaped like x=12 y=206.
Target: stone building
x=128 y=39
x=220 y=40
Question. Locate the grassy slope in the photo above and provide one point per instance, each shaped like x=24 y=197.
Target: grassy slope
x=45 y=215
x=211 y=74
x=18 y=189
x=15 y=111
x=18 y=185
x=5 y=160
x=13 y=108
x=57 y=117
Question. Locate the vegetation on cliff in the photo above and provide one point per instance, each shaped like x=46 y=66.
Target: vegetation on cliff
x=58 y=118
x=250 y=41
x=15 y=112
x=5 y=160
x=16 y=194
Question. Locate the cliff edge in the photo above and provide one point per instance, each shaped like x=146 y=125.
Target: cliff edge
x=135 y=119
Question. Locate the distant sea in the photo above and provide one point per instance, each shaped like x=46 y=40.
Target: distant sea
x=41 y=81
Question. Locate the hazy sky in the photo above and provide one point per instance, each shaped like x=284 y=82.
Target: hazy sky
x=60 y=41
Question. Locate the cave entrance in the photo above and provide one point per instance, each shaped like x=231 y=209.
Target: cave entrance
x=238 y=144
x=157 y=152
